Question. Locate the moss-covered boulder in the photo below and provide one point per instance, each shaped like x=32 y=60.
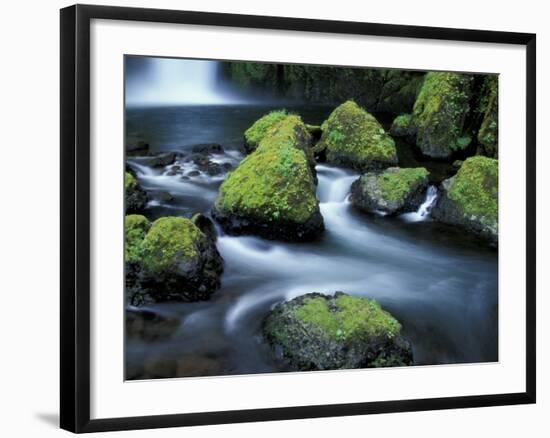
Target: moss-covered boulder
x=321 y=332
x=391 y=192
x=134 y=196
x=402 y=126
x=487 y=134
x=470 y=198
x=272 y=192
x=136 y=227
x=353 y=138
x=290 y=130
x=255 y=134
x=440 y=113
x=175 y=261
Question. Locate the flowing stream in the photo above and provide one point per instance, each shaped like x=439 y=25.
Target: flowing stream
x=440 y=285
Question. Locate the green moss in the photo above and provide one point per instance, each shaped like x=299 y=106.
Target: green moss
x=129 y=181
x=135 y=229
x=170 y=242
x=403 y=121
x=475 y=188
x=273 y=182
x=351 y=318
x=254 y=135
x=488 y=131
x=354 y=138
x=440 y=111
x=402 y=125
x=397 y=185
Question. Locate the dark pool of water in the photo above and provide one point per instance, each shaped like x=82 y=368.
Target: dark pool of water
x=440 y=284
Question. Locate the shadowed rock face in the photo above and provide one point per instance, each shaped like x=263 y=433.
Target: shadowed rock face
x=320 y=332
x=391 y=192
x=470 y=198
x=135 y=198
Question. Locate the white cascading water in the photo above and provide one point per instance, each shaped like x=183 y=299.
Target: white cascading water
x=179 y=82
x=425 y=208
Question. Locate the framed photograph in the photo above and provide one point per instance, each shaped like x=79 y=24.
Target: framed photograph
x=268 y=218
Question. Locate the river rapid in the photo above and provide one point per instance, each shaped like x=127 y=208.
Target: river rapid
x=440 y=284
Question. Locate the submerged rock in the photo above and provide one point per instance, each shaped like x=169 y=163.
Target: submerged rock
x=256 y=133
x=440 y=112
x=136 y=227
x=353 y=138
x=135 y=198
x=272 y=192
x=470 y=198
x=137 y=148
x=146 y=325
x=391 y=192
x=160 y=195
x=174 y=260
x=320 y=332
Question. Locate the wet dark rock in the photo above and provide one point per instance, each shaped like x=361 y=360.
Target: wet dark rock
x=160 y=160
x=396 y=190
x=205 y=224
x=137 y=148
x=207 y=148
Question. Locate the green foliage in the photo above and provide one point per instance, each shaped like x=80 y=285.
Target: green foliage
x=253 y=74
x=170 y=242
x=350 y=318
x=475 y=188
x=254 y=135
x=440 y=111
x=396 y=185
x=135 y=229
x=488 y=131
x=129 y=181
x=354 y=138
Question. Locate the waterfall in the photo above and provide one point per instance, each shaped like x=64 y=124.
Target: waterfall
x=425 y=208
x=172 y=81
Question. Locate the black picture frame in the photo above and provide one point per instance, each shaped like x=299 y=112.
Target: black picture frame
x=75 y=217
